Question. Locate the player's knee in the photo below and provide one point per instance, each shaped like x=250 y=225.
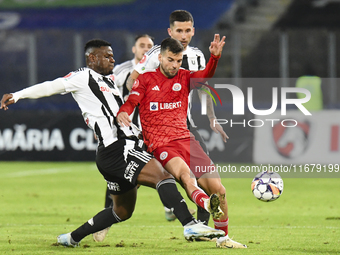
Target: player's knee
x=123 y=213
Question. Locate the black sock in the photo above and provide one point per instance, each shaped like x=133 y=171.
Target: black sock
x=203 y=215
x=108 y=200
x=102 y=220
x=172 y=199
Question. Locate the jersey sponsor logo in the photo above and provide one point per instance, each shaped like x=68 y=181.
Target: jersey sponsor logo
x=113 y=186
x=106 y=89
x=153 y=106
x=130 y=170
x=163 y=155
x=135 y=84
x=142 y=60
x=176 y=87
x=156 y=88
x=170 y=106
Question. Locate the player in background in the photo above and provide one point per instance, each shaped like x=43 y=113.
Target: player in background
x=182 y=29
x=163 y=114
x=120 y=157
x=121 y=72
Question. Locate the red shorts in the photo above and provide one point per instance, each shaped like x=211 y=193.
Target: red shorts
x=190 y=151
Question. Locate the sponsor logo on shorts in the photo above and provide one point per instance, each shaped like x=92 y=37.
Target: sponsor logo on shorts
x=176 y=87
x=113 y=186
x=163 y=155
x=153 y=106
x=130 y=170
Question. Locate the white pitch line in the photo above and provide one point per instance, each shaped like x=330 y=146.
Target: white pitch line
x=178 y=226
x=40 y=172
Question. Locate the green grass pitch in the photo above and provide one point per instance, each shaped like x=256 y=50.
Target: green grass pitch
x=40 y=200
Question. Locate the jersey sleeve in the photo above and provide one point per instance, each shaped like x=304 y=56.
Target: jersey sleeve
x=205 y=74
x=45 y=89
x=136 y=95
x=149 y=61
x=75 y=81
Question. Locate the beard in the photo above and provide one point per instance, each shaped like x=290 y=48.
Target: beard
x=167 y=73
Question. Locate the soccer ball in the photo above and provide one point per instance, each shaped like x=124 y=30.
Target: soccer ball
x=267 y=186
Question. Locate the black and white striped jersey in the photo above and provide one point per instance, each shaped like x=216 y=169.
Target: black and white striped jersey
x=193 y=60
x=120 y=75
x=121 y=72
x=99 y=100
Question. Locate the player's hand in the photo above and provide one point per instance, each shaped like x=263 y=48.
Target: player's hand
x=124 y=119
x=5 y=101
x=217 y=128
x=216 y=46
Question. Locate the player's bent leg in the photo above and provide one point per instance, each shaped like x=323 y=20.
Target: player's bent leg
x=211 y=183
x=100 y=235
x=152 y=175
x=124 y=205
x=180 y=170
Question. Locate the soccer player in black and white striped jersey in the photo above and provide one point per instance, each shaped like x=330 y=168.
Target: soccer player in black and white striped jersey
x=120 y=158
x=143 y=43
x=182 y=29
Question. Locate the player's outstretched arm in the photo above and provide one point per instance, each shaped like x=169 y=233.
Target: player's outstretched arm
x=45 y=89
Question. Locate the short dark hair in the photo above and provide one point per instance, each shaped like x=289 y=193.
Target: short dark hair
x=144 y=35
x=172 y=45
x=95 y=43
x=181 y=16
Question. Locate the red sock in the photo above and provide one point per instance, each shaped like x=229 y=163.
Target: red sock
x=222 y=225
x=197 y=196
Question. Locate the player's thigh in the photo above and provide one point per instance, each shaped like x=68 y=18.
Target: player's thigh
x=178 y=168
x=152 y=173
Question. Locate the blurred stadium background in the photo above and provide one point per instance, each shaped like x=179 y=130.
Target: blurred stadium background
x=281 y=39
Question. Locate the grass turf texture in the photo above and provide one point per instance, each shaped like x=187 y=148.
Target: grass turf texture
x=42 y=200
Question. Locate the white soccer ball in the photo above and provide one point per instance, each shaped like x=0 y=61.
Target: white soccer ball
x=267 y=186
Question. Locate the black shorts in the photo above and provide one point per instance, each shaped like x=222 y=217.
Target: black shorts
x=120 y=163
